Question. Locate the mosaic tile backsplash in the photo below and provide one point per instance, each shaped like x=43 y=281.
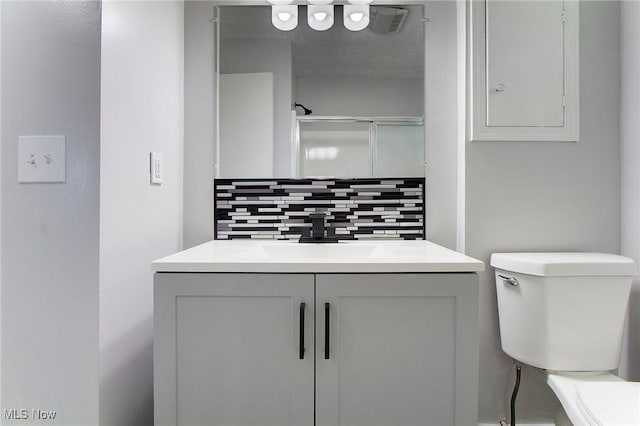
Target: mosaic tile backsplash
x=367 y=208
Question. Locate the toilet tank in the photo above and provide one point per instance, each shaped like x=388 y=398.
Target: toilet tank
x=563 y=311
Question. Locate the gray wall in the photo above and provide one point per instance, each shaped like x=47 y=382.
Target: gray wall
x=630 y=146
x=537 y=196
x=360 y=96
x=141 y=111
x=51 y=85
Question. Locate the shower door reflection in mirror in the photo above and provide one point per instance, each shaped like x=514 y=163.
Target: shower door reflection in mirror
x=359 y=147
x=334 y=149
x=399 y=149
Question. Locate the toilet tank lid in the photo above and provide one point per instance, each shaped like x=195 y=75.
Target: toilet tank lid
x=564 y=264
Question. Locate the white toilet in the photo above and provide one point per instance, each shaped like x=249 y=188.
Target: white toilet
x=564 y=313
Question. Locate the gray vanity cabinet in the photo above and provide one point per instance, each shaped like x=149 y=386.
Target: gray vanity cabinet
x=401 y=349
x=226 y=349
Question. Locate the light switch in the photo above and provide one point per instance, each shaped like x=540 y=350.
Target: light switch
x=41 y=159
x=156 y=168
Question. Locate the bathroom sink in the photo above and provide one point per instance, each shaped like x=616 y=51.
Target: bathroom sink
x=343 y=252
x=313 y=252
x=398 y=251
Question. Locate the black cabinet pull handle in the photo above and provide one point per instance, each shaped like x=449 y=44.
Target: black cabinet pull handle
x=327 y=307
x=301 y=348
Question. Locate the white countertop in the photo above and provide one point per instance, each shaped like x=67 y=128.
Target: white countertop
x=291 y=256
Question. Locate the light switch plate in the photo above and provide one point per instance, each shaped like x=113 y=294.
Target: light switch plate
x=156 y=168
x=41 y=159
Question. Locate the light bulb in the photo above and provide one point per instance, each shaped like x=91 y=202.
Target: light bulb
x=284 y=18
x=320 y=16
x=356 y=17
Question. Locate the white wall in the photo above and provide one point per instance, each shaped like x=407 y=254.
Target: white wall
x=253 y=56
x=441 y=122
x=51 y=85
x=247 y=148
x=630 y=147
x=199 y=122
x=541 y=196
x=0 y=210
x=142 y=99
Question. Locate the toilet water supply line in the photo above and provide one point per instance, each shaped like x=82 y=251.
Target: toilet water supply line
x=514 y=394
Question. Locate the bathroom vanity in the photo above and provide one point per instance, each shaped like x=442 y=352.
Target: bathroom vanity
x=281 y=333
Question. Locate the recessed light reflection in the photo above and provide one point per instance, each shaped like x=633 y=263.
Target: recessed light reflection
x=321 y=153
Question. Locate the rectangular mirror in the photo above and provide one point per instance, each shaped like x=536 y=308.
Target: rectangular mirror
x=343 y=103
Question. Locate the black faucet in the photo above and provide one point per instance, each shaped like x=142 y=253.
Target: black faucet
x=318 y=231
x=317 y=225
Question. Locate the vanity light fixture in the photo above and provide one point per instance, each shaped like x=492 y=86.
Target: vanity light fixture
x=284 y=15
x=356 y=15
x=320 y=17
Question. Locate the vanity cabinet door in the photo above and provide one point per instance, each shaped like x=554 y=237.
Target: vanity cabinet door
x=402 y=349
x=227 y=349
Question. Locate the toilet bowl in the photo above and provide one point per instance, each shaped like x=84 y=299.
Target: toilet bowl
x=564 y=313
x=597 y=398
